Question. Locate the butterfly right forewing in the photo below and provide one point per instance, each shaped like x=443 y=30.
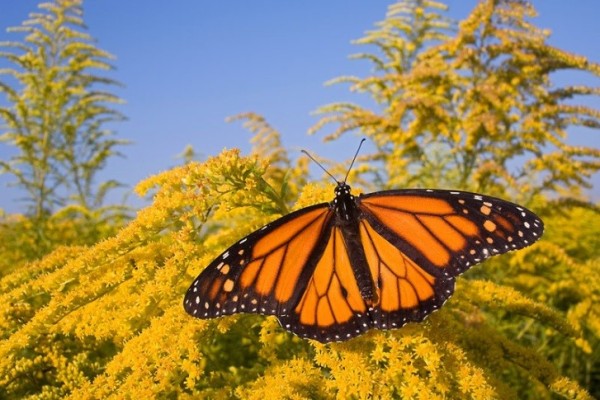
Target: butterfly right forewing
x=449 y=231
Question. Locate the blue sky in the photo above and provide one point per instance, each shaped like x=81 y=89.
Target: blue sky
x=188 y=65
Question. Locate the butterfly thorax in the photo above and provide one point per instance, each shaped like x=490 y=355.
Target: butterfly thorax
x=347 y=219
x=344 y=204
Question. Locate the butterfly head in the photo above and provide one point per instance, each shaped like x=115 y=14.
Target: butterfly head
x=342 y=189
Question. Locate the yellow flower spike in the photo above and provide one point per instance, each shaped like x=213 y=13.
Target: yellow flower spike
x=114 y=309
x=569 y=389
x=314 y=193
x=378 y=355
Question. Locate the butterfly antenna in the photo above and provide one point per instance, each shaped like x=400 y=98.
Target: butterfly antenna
x=354 y=159
x=319 y=164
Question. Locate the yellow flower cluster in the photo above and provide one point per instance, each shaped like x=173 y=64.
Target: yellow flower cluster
x=106 y=320
x=381 y=367
x=101 y=301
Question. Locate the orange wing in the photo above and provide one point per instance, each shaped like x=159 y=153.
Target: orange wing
x=332 y=308
x=406 y=291
x=449 y=231
x=417 y=241
x=264 y=272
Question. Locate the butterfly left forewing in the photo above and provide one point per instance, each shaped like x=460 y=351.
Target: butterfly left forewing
x=264 y=272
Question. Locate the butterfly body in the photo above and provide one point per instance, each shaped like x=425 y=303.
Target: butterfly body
x=347 y=217
x=334 y=270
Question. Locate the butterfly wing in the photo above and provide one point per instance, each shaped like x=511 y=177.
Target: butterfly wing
x=417 y=241
x=449 y=231
x=264 y=272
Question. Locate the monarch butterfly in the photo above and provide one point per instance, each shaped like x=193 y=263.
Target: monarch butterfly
x=332 y=271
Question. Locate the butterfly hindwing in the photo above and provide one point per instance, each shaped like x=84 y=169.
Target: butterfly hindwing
x=331 y=306
x=406 y=291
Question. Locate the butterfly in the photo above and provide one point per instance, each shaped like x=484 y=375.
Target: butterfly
x=333 y=271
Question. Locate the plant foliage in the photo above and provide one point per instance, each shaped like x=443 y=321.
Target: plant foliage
x=56 y=116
